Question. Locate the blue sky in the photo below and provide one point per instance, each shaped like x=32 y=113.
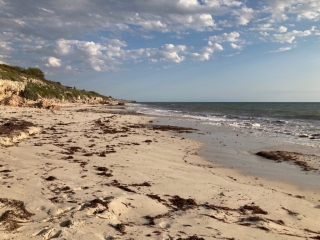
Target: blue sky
x=177 y=50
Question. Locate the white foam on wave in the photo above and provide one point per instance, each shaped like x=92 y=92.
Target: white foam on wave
x=284 y=130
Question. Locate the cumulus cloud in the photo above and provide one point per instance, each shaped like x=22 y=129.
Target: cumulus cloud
x=289 y=37
x=108 y=56
x=96 y=35
x=168 y=52
x=244 y=15
x=53 y=62
x=302 y=9
x=282 y=29
x=235 y=46
x=225 y=37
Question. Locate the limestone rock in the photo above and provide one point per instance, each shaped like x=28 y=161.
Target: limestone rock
x=14 y=101
x=48 y=104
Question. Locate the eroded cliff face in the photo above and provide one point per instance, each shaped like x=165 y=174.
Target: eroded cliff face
x=8 y=88
x=9 y=92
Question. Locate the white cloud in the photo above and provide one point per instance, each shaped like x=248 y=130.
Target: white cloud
x=232 y=3
x=265 y=34
x=265 y=27
x=289 y=37
x=235 y=46
x=168 y=52
x=154 y=25
x=107 y=57
x=80 y=34
x=207 y=51
x=53 y=62
x=5 y=46
x=282 y=49
x=302 y=9
x=282 y=29
x=226 y=37
x=244 y=15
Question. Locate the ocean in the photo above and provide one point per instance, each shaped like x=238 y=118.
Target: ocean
x=290 y=122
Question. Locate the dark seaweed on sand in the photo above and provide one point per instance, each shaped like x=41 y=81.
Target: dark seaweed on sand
x=183 y=204
x=13 y=126
x=284 y=156
x=11 y=218
x=194 y=237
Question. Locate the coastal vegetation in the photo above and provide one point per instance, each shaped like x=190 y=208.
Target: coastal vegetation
x=37 y=86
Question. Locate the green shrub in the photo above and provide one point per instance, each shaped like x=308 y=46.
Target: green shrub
x=51 y=90
x=29 y=94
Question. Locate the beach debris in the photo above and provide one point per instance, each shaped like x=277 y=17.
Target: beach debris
x=183 y=204
x=214 y=217
x=105 y=174
x=10 y=219
x=50 y=178
x=115 y=183
x=158 y=233
x=12 y=130
x=291 y=212
x=194 y=237
x=254 y=209
x=102 y=169
x=310 y=231
x=121 y=228
x=172 y=128
x=159 y=199
x=88 y=154
x=11 y=126
x=151 y=219
x=215 y=207
x=54 y=200
x=316 y=237
x=144 y=184
x=94 y=204
x=302 y=160
x=253 y=219
x=280 y=222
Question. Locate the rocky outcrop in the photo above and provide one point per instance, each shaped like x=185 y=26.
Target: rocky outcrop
x=94 y=100
x=8 y=88
x=35 y=81
x=48 y=104
x=9 y=92
x=14 y=101
x=26 y=88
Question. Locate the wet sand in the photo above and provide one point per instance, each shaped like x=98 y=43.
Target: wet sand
x=233 y=149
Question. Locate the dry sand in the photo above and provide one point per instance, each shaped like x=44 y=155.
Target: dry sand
x=85 y=173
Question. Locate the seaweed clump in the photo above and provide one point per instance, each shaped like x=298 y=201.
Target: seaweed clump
x=15 y=215
x=183 y=204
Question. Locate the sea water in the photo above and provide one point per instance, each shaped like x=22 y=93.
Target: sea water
x=290 y=122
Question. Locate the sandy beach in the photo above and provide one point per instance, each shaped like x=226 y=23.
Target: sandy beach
x=93 y=172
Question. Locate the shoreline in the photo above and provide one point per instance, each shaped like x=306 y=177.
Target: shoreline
x=234 y=149
x=99 y=175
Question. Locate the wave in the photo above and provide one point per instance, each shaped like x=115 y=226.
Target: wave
x=291 y=130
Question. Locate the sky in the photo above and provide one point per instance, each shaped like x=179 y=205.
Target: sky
x=170 y=50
